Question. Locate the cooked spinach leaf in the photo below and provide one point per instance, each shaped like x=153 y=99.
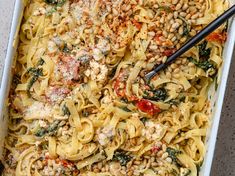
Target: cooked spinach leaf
x=85 y=113
x=112 y=72
x=15 y=81
x=41 y=132
x=125 y=109
x=53 y=127
x=66 y=49
x=144 y=120
x=65 y=110
x=51 y=130
x=40 y=62
x=35 y=74
x=173 y=153
x=176 y=101
x=204 y=53
x=156 y=94
x=55 y=2
x=205 y=65
x=124 y=100
x=122 y=157
x=186 y=27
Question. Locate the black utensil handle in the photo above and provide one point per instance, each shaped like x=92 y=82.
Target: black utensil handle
x=193 y=41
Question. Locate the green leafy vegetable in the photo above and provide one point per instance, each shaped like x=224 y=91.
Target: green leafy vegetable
x=205 y=65
x=55 y=2
x=204 y=53
x=85 y=113
x=124 y=100
x=125 y=109
x=156 y=95
x=173 y=153
x=51 y=130
x=144 y=120
x=40 y=62
x=66 y=49
x=165 y=8
x=122 y=157
x=186 y=27
x=112 y=72
x=36 y=73
x=41 y=132
x=51 y=11
x=182 y=98
x=53 y=127
x=173 y=102
x=15 y=81
x=177 y=101
x=65 y=110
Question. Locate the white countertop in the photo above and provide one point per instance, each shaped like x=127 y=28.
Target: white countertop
x=224 y=159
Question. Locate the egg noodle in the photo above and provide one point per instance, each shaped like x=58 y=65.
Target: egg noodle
x=79 y=103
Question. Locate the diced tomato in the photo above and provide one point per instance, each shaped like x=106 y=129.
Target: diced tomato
x=155 y=149
x=168 y=52
x=120 y=92
x=117 y=85
x=133 y=98
x=137 y=24
x=217 y=37
x=64 y=162
x=157 y=38
x=147 y=107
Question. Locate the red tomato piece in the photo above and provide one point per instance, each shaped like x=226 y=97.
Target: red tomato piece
x=155 y=149
x=65 y=163
x=157 y=38
x=137 y=24
x=168 y=52
x=217 y=37
x=120 y=90
x=147 y=107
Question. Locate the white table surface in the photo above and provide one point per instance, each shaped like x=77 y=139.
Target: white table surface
x=224 y=159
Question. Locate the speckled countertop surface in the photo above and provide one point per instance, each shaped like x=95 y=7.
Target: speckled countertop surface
x=224 y=158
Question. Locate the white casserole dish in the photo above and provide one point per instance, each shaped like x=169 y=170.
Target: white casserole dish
x=216 y=100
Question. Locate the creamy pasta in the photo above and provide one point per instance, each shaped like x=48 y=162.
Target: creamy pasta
x=79 y=104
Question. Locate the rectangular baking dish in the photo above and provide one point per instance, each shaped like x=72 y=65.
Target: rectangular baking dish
x=215 y=97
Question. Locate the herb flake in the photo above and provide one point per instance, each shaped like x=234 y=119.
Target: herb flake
x=65 y=110
x=122 y=157
x=173 y=153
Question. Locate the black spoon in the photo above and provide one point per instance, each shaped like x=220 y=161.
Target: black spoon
x=193 y=41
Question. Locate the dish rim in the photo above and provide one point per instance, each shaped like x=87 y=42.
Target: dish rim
x=212 y=130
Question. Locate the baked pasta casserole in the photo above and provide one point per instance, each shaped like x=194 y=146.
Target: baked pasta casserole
x=79 y=103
